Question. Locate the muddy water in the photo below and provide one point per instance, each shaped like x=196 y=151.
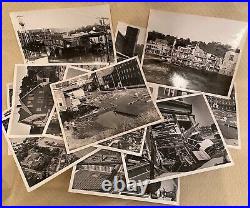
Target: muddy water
x=112 y=120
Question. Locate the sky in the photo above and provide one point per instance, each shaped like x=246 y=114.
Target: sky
x=71 y=18
x=197 y=28
x=200 y=110
x=122 y=27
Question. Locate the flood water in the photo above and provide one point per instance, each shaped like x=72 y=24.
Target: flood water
x=187 y=78
x=82 y=58
x=112 y=120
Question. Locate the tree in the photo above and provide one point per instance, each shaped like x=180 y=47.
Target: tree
x=152 y=36
x=29 y=81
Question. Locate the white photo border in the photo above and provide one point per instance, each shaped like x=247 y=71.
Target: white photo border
x=231 y=163
x=117 y=135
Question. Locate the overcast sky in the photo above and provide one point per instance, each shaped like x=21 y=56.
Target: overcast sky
x=61 y=18
x=122 y=27
x=197 y=28
x=200 y=110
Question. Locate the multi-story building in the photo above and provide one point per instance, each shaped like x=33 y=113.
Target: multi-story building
x=222 y=104
x=126 y=74
x=126 y=44
x=69 y=94
x=159 y=47
x=194 y=56
x=35 y=105
x=213 y=63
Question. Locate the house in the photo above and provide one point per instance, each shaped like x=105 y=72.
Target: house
x=35 y=106
x=229 y=62
x=158 y=47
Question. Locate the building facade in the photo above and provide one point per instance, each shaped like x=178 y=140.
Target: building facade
x=127 y=74
x=126 y=45
x=229 y=63
x=158 y=47
x=36 y=104
x=194 y=57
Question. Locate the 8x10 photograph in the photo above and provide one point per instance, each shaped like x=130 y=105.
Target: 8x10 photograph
x=107 y=103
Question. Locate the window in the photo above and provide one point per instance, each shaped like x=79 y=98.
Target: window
x=38 y=109
x=231 y=57
x=31 y=97
x=30 y=106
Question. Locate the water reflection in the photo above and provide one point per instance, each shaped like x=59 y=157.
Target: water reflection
x=178 y=81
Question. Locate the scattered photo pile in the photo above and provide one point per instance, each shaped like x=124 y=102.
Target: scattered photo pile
x=224 y=110
x=106 y=103
x=89 y=175
x=187 y=142
x=130 y=115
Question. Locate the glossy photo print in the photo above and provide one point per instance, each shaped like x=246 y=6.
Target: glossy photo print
x=92 y=175
x=41 y=159
x=225 y=111
x=129 y=41
x=193 y=52
x=189 y=141
x=32 y=98
x=66 y=35
x=103 y=104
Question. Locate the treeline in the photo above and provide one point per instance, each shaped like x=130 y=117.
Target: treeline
x=88 y=28
x=216 y=48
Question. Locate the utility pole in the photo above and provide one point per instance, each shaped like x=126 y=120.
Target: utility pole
x=103 y=23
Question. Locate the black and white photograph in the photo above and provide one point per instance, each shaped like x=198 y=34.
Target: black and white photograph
x=189 y=141
x=52 y=128
x=9 y=94
x=87 y=67
x=66 y=35
x=226 y=114
x=131 y=143
x=40 y=159
x=129 y=41
x=107 y=103
x=5 y=121
x=193 y=52
x=105 y=167
x=32 y=98
x=160 y=92
x=5 y=125
x=224 y=110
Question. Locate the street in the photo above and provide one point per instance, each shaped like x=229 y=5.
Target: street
x=185 y=77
